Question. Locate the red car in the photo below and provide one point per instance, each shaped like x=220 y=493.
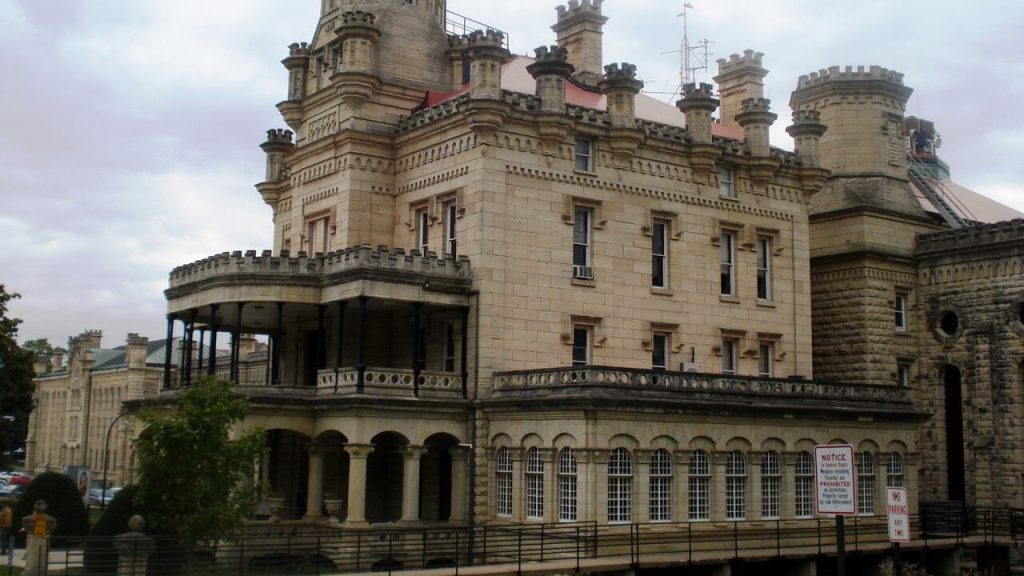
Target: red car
x=20 y=481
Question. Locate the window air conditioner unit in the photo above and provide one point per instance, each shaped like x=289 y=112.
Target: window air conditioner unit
x=583 y=272
x=690 y=367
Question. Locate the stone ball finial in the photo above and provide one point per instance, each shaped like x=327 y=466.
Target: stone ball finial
x=40 y=506
x=136 y=523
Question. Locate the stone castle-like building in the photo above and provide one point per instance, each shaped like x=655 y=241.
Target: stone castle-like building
x=518 y=290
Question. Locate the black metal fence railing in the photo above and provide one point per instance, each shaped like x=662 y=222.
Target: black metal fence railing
x=265 y=549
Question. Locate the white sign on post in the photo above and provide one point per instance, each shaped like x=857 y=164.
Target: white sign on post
x=898 y=510
x=836 y=481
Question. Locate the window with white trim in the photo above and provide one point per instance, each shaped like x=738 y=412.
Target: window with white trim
x=764 y=268
x=584 y=154
x=903 y=373
x=620 y=486
x=661 y=486
x=582 y=242
x=736 y=486
x=900 y=311
x=726 y=187
x=534 y=485
x=765 y=359
x=581 y=337
x=729 y=350
x=727 y=246
x=448 y=360
x=449 y=210
x=894 y=471
x=503 y=482
x=422 y=229
x=659 y=253
x=771 y=479
x=659 y=350
x=803 y=485
x=865 y=484
x=567 y=485
x=699 y=497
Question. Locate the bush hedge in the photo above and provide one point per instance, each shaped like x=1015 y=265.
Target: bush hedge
x=64 y=503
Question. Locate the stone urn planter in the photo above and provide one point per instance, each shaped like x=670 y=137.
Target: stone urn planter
x=333 y=506
x=275 y=506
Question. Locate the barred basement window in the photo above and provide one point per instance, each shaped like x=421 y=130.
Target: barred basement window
x=700 y=482
x=661 y=486
x=620 y=486
x=771 y=476
x=803 y=476
x=534 y=485
x=567 y=485
x=503 y=481
x=865 y=484
x=736 y=486
x=894 y=471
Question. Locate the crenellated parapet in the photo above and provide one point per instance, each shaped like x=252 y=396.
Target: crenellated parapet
x=550 y=70
x=578 y=30
x=358 y=33
x=486 y=54
x=756 y=118
x=277 y=147
x=981 y=236
x=697 y=104
x=739 y=78
x=837 y=73
x=806 y=132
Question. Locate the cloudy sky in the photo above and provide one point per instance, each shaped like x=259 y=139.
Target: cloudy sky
x=130 y=131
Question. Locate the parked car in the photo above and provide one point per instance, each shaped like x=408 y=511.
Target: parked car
x=96 y=495
x=11 y=491
x=20 y=480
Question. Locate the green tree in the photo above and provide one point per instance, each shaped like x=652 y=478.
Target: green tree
x=193 y=476
x=15 y=383
x=41 y=348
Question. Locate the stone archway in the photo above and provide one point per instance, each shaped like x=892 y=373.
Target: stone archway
x=436 y=477
x=384 y=478
x=285 y=470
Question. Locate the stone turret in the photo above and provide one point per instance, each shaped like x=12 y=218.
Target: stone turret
x=486 y=54
x=297 y=64
x=277 y=147
x=135 y=350
x=550 y=70
x=57 y=360
x=40 y=364
x=739 y=78
x=458 y=44
x=579 y=31
x=620 y=86
x=358 y=33
x=807 y=131
x=756 y=118
x=697 y=104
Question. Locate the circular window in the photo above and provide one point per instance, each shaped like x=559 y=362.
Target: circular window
x=949 y=323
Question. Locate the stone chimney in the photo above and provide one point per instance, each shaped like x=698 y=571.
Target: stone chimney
x=89 y=339
x=57 y=361
x=620 y=88
x=579 y=31
x=756 y=119
x=807 y=131
x=739 y=78
x=486 y=54
x=550 y=71
x=39 y=364
x=135 y=350
x=697 y=104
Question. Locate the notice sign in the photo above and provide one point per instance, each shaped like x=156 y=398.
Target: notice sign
x=898 y=510
x=835 y=480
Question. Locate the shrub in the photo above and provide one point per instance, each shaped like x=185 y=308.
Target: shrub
x=64 y=503
x=100 y=557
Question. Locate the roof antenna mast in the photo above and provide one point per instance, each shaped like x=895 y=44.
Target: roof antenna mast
x=693 y=57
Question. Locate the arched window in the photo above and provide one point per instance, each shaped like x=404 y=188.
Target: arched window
x=894 y=471
x=700 y=484
x=661 y=486
x=620 y=486
x=771 y=476
x=503 y=482
x=803 y=485
x=566 y=485
x=736 y=486
x=534 y=485
x=865 y=483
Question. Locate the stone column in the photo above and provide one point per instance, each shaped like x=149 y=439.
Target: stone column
x=518 y=474
x=460 y=483
x=717 y=489
x=599 y=484
x=584 y=485
x=550 y=485
x=315 y=484
x=38 y=526
x=411 y=483
x=642 y=487
x=911 y=462
x=357 y=456
x=754 y=461
x=133 y=548
x=787 y=485
x=881 y=481
x=681 y=486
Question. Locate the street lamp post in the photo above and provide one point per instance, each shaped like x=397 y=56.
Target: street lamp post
x=106 y=457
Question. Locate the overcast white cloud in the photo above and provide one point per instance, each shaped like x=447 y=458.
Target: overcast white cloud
x=131 y=129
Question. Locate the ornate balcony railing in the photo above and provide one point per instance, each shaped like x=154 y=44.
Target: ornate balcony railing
x=389 y=382
x=578 y=380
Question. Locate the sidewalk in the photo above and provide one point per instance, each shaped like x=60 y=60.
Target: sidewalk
x=57 y=559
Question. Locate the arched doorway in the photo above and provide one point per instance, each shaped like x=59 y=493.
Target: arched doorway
x=436 y=478
x=954 y=405
x=336 y=468
x=384 y=477
x=285 y=470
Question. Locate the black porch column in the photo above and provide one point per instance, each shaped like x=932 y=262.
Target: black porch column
x=465 y=352
x=321 y=339
x=364 y=329
x=417 y=309
x=202 y=352
x=190 y=330
x=236 y=344
x=212 y=368
x=339 y=342
x=275 y=358
x=167 y=351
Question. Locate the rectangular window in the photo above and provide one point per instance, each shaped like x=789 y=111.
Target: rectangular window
x=894 y=471
x=803 y=475
x=736 y=487
x=584 y=154
x=764 y=268
x=450 y=211
x=659 y=254
x=729 y=356
x=580 y=345
x=661 y=486
x=699 y=497
x=620 y=486
x=865 y=484
x=765 y=359
x=582 y=243
x=449 y=348
x=316 y=235
x=534 y=485
x=903 y=374
x=771 y=475
x=659 y=351
x=725 y=182
x=503 y=480
x=900 y=311
x=566 y=485
x=728 y=249
x=422 y=231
